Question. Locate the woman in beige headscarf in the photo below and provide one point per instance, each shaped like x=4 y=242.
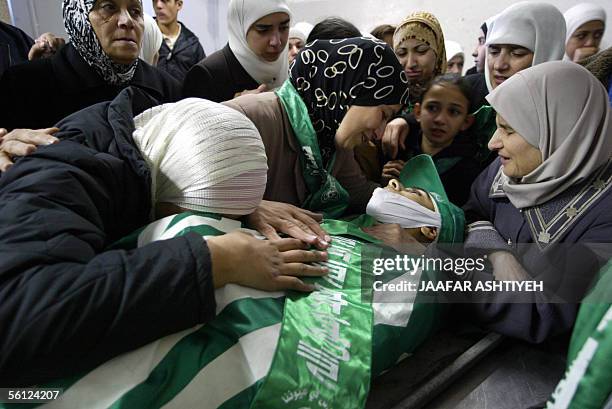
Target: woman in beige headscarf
x=550 y=187
x=419 y=45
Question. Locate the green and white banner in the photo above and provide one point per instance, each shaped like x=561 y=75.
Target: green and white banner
x=263 y=349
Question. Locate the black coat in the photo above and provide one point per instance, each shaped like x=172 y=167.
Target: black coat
x=186 y=53
x=68 y=304
x=478 y=91
x=14 y=46
x=218 y=77
x=40 y=93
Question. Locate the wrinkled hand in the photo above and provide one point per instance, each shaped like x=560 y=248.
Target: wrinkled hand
x=392 y=169
x=394 y=137
x=301 y=224
x=258 y=90
x=584 y=52
x=266 y=265
x=395 y=236
x=45 y=46
x=506 y=267
x=22 y=142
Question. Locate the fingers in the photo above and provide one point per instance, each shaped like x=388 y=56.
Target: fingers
x=314 y=226
x=290 y=244
x=34 y=137
x=266 y=230
x=5 y=162
x=303 y=270
x=17 y=148
x=304 y=256
x=390 y=141
x=292 y=283
x=3 y=132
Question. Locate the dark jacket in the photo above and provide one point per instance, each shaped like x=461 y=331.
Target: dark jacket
x=551 y=244
x=14 y=46
x=186 y=53
x=479 y=90
x=67 y=304
x=218 y=77
x=456 y=163
x=39 y=93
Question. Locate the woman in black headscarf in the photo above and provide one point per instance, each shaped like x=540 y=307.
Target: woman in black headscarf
x=100 y=60
x=339 y=94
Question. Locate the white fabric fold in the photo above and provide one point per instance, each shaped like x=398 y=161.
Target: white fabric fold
x=389 y=207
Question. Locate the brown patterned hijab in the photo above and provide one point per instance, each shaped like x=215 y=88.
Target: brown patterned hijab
x=425 y=27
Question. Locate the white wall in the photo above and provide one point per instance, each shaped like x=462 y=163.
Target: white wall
x=460 y=19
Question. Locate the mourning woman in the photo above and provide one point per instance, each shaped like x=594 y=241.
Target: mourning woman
x=71 y=301
x=100 y=60
x=540 y=208
x=340 y=94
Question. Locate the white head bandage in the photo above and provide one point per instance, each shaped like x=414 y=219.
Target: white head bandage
x=203 y=156
x=389 y=207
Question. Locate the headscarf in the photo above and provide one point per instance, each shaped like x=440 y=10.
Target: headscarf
x=83 y=37
x=561 y=109
x=241 y=15
x=203 y=156
x=539 y=27
x=301 y=30
x=424 y=26
x=151 y=40
x=453 y=49
x=579 y=14
x=332 y=75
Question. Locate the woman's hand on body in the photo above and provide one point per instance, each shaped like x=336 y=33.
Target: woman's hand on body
x=45 y=46
x=258 y=90
x=394 y=137
x=22 y=142
x=266 y=265
x=272 y=217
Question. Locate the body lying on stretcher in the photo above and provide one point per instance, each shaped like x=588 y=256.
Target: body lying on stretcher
x=277 y=349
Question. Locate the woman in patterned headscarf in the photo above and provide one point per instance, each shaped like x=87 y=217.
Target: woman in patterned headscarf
x=100 y=60
x=340 y=93
x=419 y=45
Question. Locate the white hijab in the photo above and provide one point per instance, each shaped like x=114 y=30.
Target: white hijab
x=453 y=48
x=539 y=27
x=578 y=15
x=151 y=40
x=203 y=156
x=563 y=110
x=241 y=15
x=301 y=30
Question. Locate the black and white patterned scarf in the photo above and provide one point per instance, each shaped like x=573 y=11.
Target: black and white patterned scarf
x=333 y=75
x=84 y=39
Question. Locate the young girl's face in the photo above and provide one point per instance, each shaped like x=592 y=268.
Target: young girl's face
x=442 y=114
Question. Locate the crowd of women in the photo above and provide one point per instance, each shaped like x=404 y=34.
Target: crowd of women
x=96 y=145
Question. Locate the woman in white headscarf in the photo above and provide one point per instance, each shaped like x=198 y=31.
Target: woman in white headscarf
x=151 y=41
x=90 y=301
x=255 y=58
x=523 y=35
x=536 y=210
x=297 y=38
x=586 y=24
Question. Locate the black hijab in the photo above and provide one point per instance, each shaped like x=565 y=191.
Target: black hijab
x=333 y=75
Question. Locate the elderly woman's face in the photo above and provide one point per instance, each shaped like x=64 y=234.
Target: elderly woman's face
x=364 y=123
x=119 y=25
x=417 y=58
x=518 y=157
